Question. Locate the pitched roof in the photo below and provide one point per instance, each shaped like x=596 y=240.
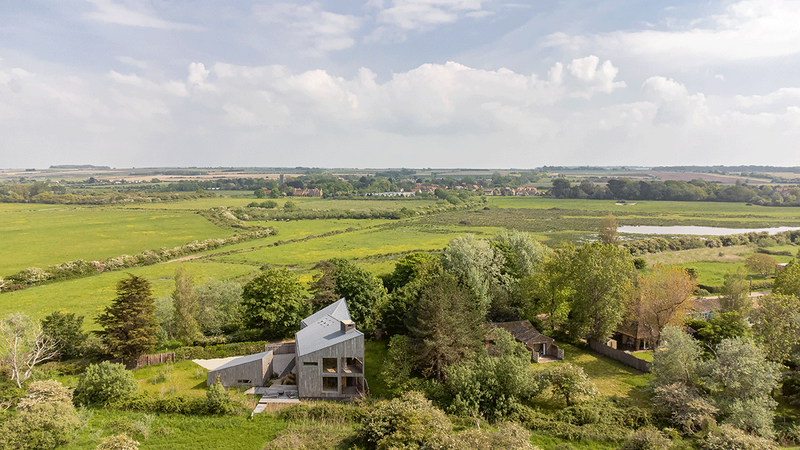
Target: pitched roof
x=324 y=329
x=523 y=331
x=242 y=360
x=338 y=310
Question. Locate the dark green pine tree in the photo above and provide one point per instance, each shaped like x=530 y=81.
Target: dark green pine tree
x=448 y=328
x=129 y=324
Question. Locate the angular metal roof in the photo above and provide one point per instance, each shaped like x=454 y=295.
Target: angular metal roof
x=242 y=360
x=338 y=310
x=324 y=329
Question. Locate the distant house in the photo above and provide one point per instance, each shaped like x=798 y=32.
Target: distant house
x=307 y=193
x=330 y=355
x=538 y=344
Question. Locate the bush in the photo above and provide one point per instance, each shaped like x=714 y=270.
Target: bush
x=682 y=406
x=219 y=401
x=726 y=437
x=646 y=439
x=45 y=418
x=408 y=422
x=173 y=404
x=104 y=382
x=325 y=412
x=118 y=442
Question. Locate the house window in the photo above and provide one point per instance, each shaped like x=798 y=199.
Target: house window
x=309 y=363
x=352 y=365
x=329 y=365
x=330 y=384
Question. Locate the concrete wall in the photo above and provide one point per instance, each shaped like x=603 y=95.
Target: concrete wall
x=309 y=377
x=258 y=372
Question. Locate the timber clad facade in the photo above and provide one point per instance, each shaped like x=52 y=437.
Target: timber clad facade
x=330 y=355
x=251 y=370
x=328 y=359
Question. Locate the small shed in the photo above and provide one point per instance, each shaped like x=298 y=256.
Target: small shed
x=250 y=370
x=538 y=343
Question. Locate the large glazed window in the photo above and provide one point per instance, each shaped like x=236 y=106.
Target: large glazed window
x=330 y=384
x=329 y=365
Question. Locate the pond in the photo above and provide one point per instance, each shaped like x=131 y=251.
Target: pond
x=699 y=231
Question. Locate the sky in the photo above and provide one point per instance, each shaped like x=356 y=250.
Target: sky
x=399 y=83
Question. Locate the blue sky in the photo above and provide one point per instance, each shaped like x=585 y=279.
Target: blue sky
x=399 y=83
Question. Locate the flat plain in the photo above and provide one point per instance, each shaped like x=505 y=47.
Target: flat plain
x=41 y=235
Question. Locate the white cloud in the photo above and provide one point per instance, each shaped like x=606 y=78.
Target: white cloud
x=132 y=62
x=404 y=16
x=309 y=26
x=107 y=11
x=598 y=79
x=675 y=105
x=744 y=30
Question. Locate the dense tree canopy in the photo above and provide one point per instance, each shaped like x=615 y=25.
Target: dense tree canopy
x=787 y=282
x=274 y=303
x=447 y=329
x=602 y=280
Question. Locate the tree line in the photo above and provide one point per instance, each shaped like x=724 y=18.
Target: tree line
x=694 y=190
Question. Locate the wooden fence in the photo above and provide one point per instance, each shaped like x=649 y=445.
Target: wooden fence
x=625 y=358
x=158 y=358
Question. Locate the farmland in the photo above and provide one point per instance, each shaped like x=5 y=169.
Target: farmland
x=41 y=235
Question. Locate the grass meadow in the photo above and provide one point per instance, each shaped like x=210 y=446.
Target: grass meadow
x=88 y=296
x=179 y=432
x=41 y=235
x=47 y=236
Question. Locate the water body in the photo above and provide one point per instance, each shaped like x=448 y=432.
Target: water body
x=699 y=231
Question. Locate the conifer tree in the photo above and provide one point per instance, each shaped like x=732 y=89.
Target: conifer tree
x=129 y=323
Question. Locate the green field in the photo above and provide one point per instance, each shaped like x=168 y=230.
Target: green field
x=47 y=236
x=88 y=296
x=42 y=235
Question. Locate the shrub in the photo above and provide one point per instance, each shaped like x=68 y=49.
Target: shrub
x=726 y=437
x=219 y=401
x=646 y=439
x=407 y=422
x=104 y=382
x=682 y=406
x=45 y=418
x=118 y=442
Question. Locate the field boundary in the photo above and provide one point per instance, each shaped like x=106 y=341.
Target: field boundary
x=618 y=355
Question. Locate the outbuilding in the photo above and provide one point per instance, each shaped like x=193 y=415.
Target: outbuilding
x=250 y=370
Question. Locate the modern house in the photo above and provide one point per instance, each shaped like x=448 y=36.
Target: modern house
x=540 y=346
x=329 y=355
x=327 y=359
x=250 y=370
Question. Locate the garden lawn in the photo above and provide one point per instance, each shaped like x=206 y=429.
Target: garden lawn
x=179 y=432
x=545 y=442
x=609 y=376
x=375 y=353
x=182 y=377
